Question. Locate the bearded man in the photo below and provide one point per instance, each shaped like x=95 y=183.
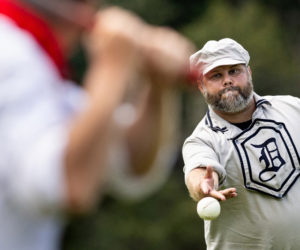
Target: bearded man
x=246 y=145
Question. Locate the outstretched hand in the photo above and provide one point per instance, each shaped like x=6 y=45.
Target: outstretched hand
x=208 y=187
x=203 y=182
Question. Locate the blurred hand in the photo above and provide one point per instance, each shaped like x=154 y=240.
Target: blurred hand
x=113 y=39
x=166 y=54
x=121 y=38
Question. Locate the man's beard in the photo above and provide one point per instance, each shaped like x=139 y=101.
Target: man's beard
x=232 y=102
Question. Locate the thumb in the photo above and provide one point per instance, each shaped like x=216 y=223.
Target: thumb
x=207 y=184
x=209 y=171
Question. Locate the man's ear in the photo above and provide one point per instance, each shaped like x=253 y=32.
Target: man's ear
x=200 y=85
x=249 y=70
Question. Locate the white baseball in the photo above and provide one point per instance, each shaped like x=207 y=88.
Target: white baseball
x=208 y=208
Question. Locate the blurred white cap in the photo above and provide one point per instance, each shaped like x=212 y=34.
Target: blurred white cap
x=217 y=53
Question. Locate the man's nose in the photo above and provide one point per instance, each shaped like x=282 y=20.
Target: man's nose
x=227 y=80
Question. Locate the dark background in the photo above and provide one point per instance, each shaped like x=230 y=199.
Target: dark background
x=269 y=30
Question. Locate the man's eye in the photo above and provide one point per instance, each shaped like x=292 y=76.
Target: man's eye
x=234 y=71
x=215 y=76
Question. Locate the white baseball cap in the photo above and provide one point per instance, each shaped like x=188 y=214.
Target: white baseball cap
x=217 y=53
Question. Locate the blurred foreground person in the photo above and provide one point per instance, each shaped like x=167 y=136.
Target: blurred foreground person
x=57 y=138
x=245 y=151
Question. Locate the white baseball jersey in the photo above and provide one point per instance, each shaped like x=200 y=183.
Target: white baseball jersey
x=262 y=163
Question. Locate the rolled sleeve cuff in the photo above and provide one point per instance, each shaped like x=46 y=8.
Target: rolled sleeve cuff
x=204 y=163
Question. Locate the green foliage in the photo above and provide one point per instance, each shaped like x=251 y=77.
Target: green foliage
x=173 y=13
x=167 y=220
x=158 y=12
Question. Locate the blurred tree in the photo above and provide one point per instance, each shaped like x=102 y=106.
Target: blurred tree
x=288 y=12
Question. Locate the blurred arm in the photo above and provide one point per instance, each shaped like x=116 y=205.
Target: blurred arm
x=121 y=47
x=112 y=51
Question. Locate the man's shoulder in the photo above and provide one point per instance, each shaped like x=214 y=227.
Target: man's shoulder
x=202 y=130
x=281 y=99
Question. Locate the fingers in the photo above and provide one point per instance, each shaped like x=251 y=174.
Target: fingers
x=218 y=195
x=223 y=195
x=229 y=193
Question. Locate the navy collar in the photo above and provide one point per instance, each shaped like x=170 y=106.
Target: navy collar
x=213 y=121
